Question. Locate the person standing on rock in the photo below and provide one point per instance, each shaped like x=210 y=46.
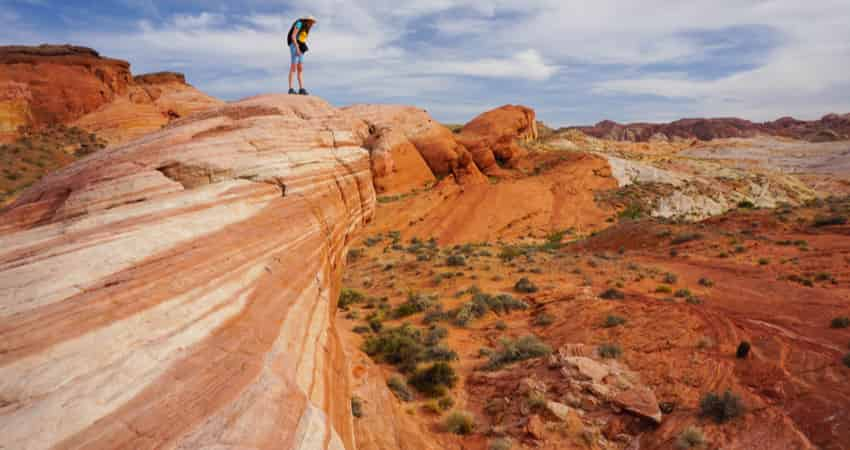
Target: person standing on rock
x=297 y=40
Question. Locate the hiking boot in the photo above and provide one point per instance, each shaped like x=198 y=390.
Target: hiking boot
x=303 y=91
x=292 y=91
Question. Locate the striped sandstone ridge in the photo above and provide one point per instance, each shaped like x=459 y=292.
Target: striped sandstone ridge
x=176 y=292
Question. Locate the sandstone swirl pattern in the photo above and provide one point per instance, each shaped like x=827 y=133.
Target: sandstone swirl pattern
x=176 y=292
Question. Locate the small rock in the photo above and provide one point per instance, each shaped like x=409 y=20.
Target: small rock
x=558 y=410
x=531 y=385
x=535 y=427
x=640 y=401
x=585 y=368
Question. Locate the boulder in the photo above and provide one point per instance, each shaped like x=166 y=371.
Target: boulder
x=492 y=137
x=640 y=401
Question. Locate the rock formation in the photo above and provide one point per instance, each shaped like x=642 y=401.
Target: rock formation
x=177 y=292
x=493 y=137
x=832 y=127
x=60 y=84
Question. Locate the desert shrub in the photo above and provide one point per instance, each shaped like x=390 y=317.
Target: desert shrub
x=400 y=347
x=400 y=388
x=705 y=282
x=543 y=320
x=632 y=212
x=612 y=294
x=664 y=289
x=375 y=324
x=435 y=314
x=764 y=262
x=721 y=408
x=434 y=380
x=440 y=352
x=482 y=303
x=826 y=221
x=614 y=321
x=434 y=335
x=459 y=422
x=822 y=277
x=686 y=237
x=361 y=329
x=690 y=438
x=456 y=261
x=501 y=326
x=840 y=322
x=610 y=351
x=525 y=286
x=743 y=350
x=356 y=407
x=746 y=204
x=445 y=403
x=416 y=303
x=501 y=444
x=524 y=348
x=354 y=254
x=349 y=297
x=683 y=293
x=372 y=241
x=671 y=278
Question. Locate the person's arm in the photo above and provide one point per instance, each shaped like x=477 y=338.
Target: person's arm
x=295 y=40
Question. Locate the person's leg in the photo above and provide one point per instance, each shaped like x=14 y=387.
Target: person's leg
x=292 y=69
x=301 y=75
x=293 y=66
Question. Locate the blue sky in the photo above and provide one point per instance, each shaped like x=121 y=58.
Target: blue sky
x=575 y=62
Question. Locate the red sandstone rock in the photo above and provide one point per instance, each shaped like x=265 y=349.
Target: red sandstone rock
x=640 y=401
x=178 y=291
x=493 y=136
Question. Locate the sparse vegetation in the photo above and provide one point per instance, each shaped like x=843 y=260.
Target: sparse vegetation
x=525 y=286
x=705 y=282
x=356 y=407
x=721 y=408
x=354 y=254
x=416 y=303
x=664 y=289
x=524 y=348
x=683 y=293
x=456 y=261
x=690 y=438
x=400 y=388
x=743 y=350
x=459 y=422
x=746 y=204
x=543 y=320
x=501 y=444
x=348 y=297
x=610 y=351
x=826 y=221
x=612 y=294
x=671 y=278
x=840 y=322
x=434 y=380
x=614 y=321
x=482 y=303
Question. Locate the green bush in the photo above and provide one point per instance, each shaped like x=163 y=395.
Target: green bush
x=525 y=286
x=705 y=282
x=840 y=322
x=524 y=348
x=686 y=237
x=445 y=403
x=501 y=326
x=482 y=303
x=612 y=294
x=459 y=422
x=400 y=347
x=721 y=408
x=826 y=221
x=456 y=261
x=354 y=254
x=690 y=438
x=435 y=335
x=361 y=329
x=400 y=389
x=543 y=320
x=356 y=407
x=440 y=352
x=671 y=278
x=416 y=303
x=434 y=380
x=610 y=351
x=349 y=297
x=683 y=293
x=614 y=321
x=663 y=289
x=746 y=204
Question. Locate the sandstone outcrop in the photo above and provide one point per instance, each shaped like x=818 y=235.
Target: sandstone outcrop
x=434 y=142
x=177 y=291
x=59 y=84
x=492 y=138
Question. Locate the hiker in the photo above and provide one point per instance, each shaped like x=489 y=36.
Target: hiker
x=297 y=40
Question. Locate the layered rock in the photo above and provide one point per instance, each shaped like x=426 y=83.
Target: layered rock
x=51 y=85
x=493 y=137
x=176 y=292
x=434 y=142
